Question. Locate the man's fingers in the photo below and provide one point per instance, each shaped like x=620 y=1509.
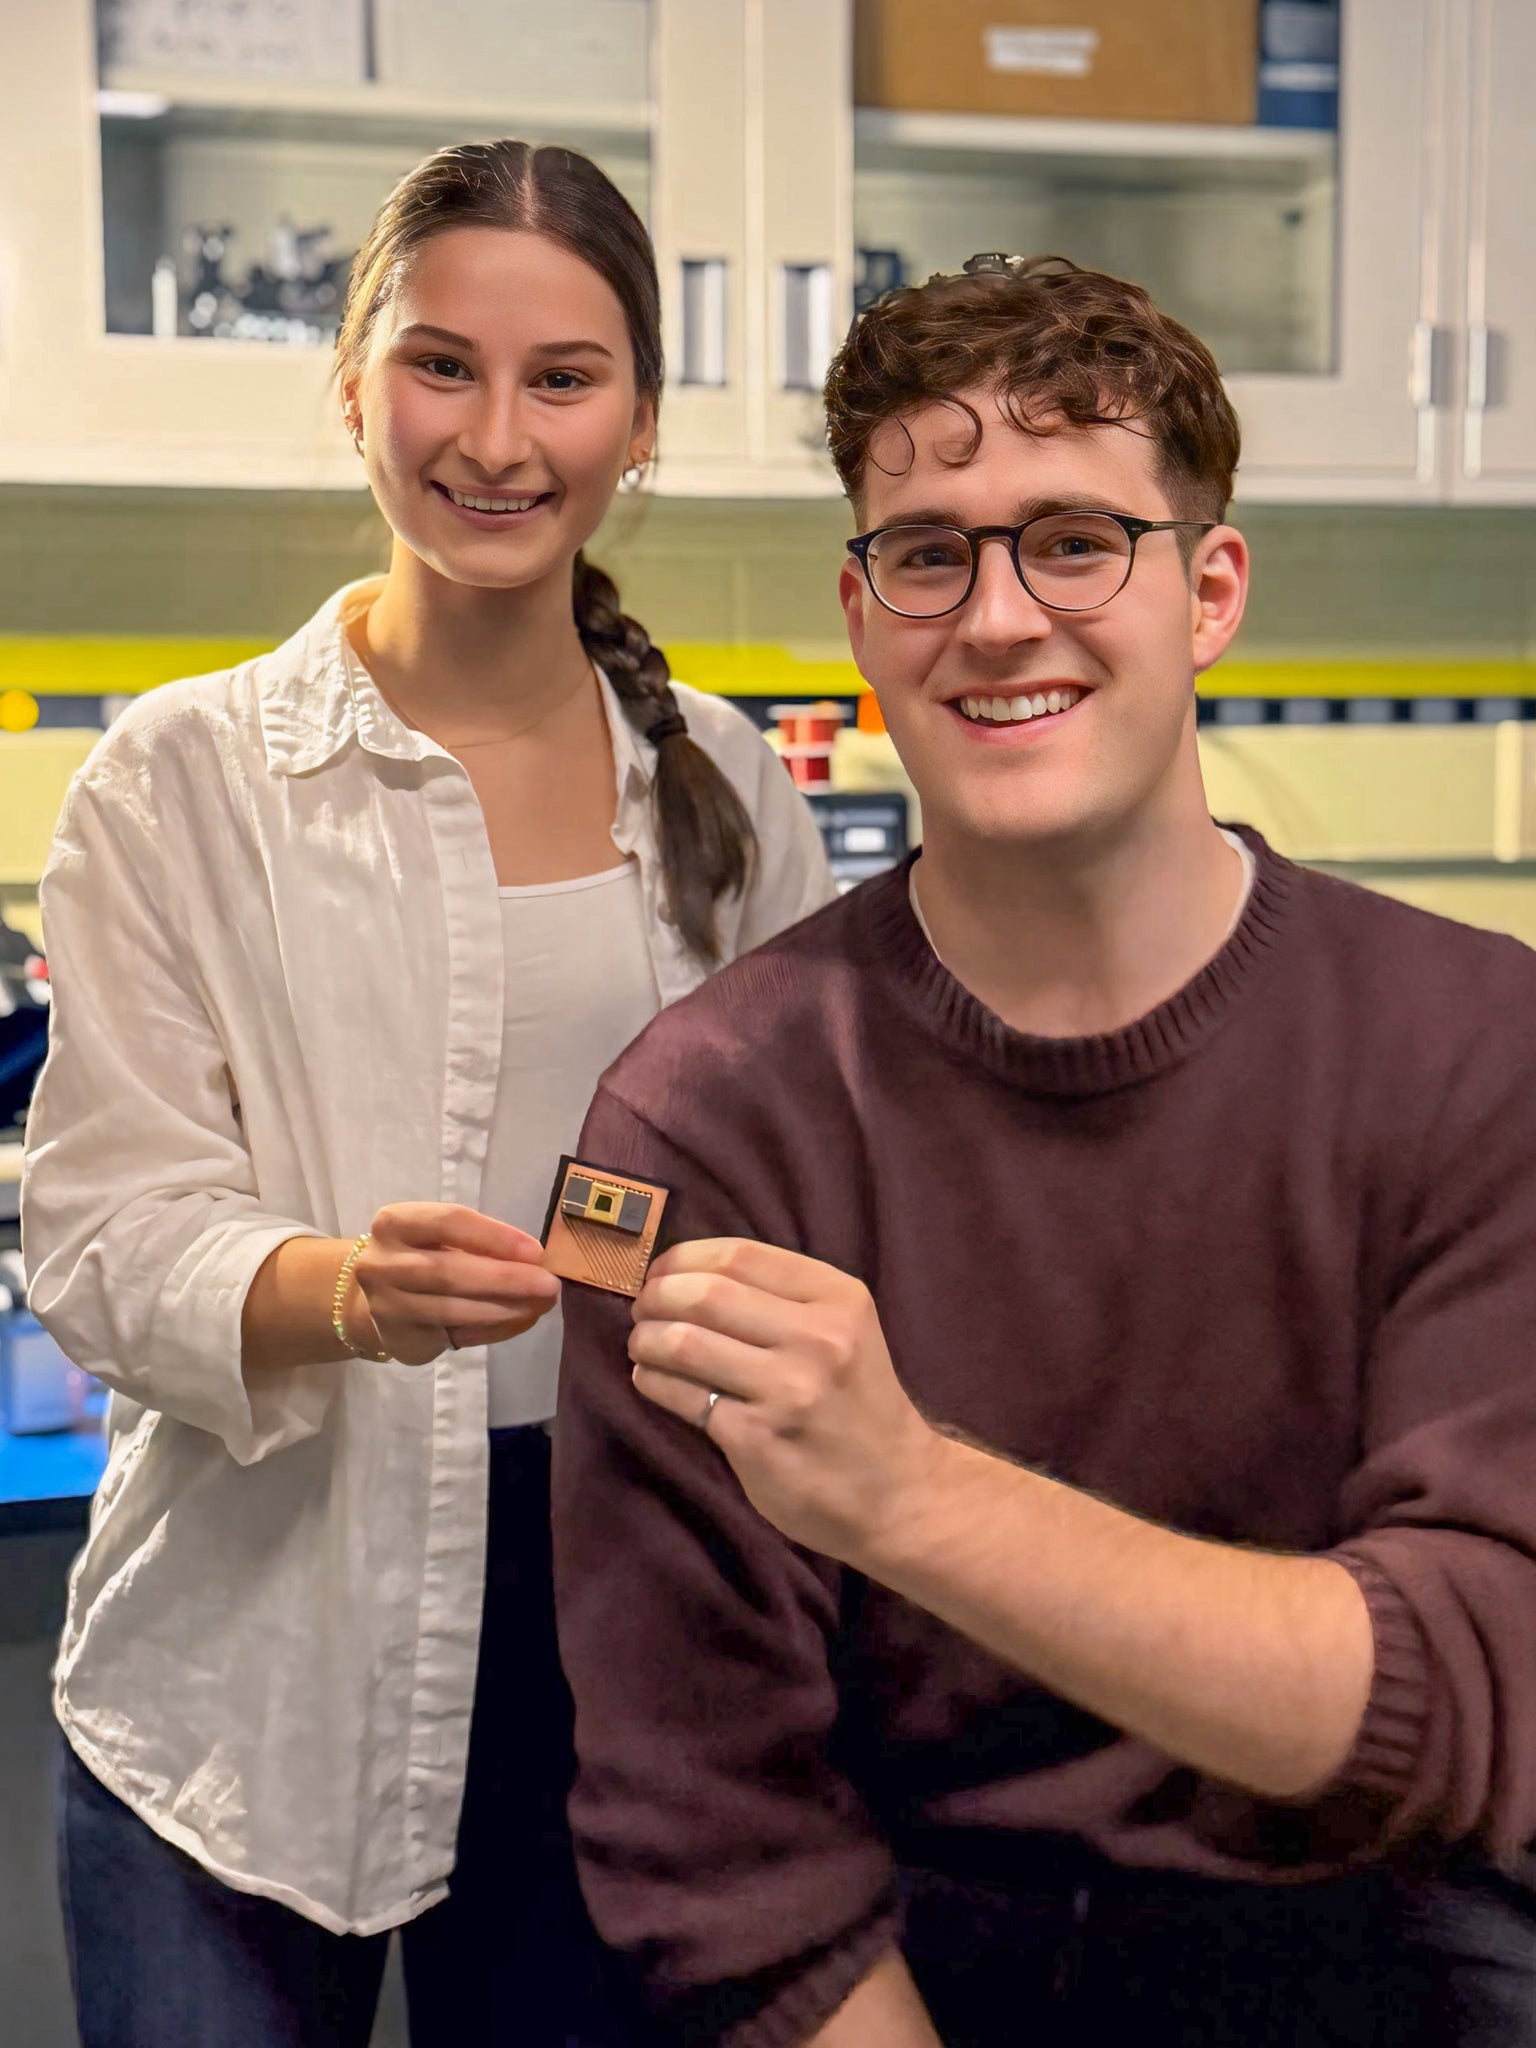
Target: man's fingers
x=716 y=1302
x=789 y=1275
x=703 y=1358
x=682 y=1398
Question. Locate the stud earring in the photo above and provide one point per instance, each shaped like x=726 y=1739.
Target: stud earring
x=634 y=476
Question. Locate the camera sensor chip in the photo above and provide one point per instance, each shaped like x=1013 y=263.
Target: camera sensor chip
x=601 y=1228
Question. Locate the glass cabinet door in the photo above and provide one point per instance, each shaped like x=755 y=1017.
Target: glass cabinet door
x=1232 y=230
x=1273 y=198
x=183 y=185
x=246 y=144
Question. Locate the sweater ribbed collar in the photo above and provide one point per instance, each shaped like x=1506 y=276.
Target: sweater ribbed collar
x=924 y=987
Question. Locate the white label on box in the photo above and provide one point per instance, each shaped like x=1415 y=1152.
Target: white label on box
x=1299 y=77
x=1301 y=32
x=1046 y=52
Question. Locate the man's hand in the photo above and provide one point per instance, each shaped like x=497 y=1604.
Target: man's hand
x=1253 y=1667
x=812 y=1417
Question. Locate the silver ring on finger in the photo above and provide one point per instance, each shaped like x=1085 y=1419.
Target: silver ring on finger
x=709 y=1407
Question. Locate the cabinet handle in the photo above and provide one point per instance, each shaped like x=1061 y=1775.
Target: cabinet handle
x=703 y=320
x=807 y=299
x=1479 y=349
x=1426 y=372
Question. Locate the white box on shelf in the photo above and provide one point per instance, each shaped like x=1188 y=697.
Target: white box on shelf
x=302 y=39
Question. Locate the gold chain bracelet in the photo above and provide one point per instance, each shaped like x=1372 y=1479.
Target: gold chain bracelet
x=357 y=1351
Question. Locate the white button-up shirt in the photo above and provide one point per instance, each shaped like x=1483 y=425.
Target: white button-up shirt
x=272 y=921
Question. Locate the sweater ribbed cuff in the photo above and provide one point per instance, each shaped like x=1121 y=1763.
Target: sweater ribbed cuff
x=1388 y=1748
x=802 y=2007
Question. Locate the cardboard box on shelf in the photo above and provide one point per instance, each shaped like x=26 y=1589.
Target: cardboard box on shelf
x=1097 y=60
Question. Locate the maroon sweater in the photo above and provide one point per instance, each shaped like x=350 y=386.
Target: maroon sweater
x=1261 y=1267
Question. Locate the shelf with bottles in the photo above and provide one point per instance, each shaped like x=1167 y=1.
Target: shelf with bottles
x=232 y=209
x=245 y=147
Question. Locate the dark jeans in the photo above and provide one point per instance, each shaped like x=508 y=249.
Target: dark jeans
x=164 y=1956
x=1367 y=1961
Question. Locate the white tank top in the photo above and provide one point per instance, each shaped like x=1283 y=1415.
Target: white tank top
x=579 y=987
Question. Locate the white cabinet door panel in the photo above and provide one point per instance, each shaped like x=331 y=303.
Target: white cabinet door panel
x=699 y=203
x=803 y=261
x=1496 y=439
x=78 y=405
x=1368 y=430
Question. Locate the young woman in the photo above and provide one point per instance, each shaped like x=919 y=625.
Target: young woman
x=341 y=941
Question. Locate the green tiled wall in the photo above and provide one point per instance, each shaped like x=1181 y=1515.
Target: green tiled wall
x=1329 y=583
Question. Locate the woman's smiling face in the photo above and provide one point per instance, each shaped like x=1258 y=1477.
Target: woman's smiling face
x=497 y=405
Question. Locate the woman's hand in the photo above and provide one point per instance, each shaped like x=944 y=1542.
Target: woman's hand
x=435 y=1275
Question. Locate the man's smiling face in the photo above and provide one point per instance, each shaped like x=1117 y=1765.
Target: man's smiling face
x=1122 y=675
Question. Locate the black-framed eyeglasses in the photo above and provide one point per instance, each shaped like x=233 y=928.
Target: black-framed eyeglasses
x=1067 y=561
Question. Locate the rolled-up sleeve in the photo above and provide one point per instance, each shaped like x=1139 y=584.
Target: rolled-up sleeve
x=142 y=1226
x=720 y=1845
x=1441 y=1511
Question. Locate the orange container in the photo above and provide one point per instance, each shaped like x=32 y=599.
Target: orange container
x=807 y=735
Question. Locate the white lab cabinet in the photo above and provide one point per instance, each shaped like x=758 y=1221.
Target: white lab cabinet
x=1371 y=295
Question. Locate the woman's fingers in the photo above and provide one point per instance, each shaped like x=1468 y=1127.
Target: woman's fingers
x=506 y=1283
x=431 y=1269
x=465 y=1334
x=411 y=1343
x=439 y=1311
x=416 y=1340
x=431 y=1226
x=440 y=1287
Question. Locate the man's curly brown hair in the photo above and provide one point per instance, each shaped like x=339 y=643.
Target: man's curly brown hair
x=1060 y=345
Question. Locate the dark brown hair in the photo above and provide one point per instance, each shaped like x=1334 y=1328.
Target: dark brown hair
x=706 y=839
x=1059 y=345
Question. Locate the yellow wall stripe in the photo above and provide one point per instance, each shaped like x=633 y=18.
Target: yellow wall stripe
x=50 y=667
x=99 y=667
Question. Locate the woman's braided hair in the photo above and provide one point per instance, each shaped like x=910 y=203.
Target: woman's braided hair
x=705 y=837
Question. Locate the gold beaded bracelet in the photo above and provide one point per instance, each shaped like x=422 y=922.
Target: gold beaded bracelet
x=357 y=1351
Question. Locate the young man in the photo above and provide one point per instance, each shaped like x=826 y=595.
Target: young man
x=1065 y=1567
